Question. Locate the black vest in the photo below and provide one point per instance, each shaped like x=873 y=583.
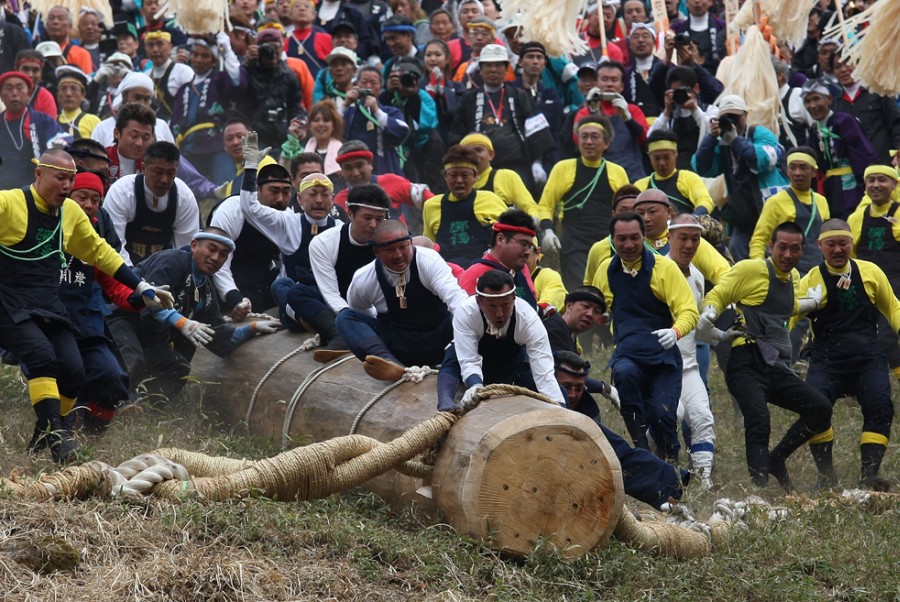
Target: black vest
x=586 y=210
x=252 y=259
x=461 y=237
x=350 y=258
x=680 y=203
x=845 y=330
x=164 y=100
x=523 y=291
x=296 y=265
x=501 y=358
x=878 y=245
x=150 y=232
x=808 y=218
x=29 y=284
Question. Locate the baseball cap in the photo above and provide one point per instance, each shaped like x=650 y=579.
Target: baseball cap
x=340 y=52
x=732 y=104
x=493 y=53
x=49 y=49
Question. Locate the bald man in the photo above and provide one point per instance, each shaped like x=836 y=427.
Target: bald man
x=38 y=225
x=844 y=360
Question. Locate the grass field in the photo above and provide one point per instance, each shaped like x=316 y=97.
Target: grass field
x=354 y=547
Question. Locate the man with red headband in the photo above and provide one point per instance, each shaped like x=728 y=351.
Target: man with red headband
x=412 y=293
x=511 y=246
x=31 y=63
x=355 y=159
x=26 y=133
x=38 y=226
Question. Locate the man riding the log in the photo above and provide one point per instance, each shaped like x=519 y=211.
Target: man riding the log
x=413 y=294
x=497 y=338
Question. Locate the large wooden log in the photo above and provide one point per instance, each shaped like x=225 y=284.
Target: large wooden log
x=514 y=471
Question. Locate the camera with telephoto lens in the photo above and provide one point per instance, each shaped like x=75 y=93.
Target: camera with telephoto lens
x=682 y=39
x=726 y=123
x=596 y=95
x=681 y=95
x=266 y=53
x=364 y=93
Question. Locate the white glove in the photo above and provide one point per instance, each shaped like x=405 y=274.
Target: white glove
x=468 y=397
x=707 y=318
x=266 y=326
x=613 y=397
x=197 y=333
x=538 y=173
x=568 y=72
x=812 y=300
x=622 y=106
x=222 y=40
x=155 y=297
x=550 y=241
x=104 y=73
x=667 y=337
x=59 y=142
x=252 y=154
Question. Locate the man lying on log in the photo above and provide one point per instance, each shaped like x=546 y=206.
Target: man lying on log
x=412 y=291
x=497 y=338
x=161 y=344
x=646 y=477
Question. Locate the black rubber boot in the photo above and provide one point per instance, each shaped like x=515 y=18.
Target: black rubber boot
x=324 y=325
x=758 y=464
x=793 y=439
x=870 y=455
x=49 y=432
x=822 y=456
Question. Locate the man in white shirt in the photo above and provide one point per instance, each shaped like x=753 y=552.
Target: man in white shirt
x=413 y=292
x=497 y=338
x=154 y=210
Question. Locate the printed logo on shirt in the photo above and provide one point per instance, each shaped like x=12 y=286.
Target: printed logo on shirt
x=459 y=233
x=846 y=299
x=876 y=239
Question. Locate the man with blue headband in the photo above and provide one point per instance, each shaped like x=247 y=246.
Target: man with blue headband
x=159 y=345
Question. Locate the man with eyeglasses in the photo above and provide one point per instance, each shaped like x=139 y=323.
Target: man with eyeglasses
x=512 y=236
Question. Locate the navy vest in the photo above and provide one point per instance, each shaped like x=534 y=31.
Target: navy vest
x=808 y=218
x=587 y=220
x=636 y=313
x=878 y=245
x=296 y=265
x=680 y=203
x=150 y=232
x=501 y=358
x=523 y=291
x=350 y=258
x=461 y=236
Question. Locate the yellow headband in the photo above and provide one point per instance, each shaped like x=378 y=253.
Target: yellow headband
x=71 y=78
x=460 y=164
x=834 y=233
x=471 y=25
x=662 y=145
x=885 y=170
x=479 y=140
x=158 y=35
x=808 y=159
x=56 y=167
x=591 y=124
x=316 y=182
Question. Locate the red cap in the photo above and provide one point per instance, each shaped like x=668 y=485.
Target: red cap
x=88 y=181
x=18 y=74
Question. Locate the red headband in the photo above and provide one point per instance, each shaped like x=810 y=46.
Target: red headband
x=358 y=154
x=88 y=181
x=498 y=227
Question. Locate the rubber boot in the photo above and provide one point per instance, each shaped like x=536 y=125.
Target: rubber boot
x=793 y=439
x=49 y=432
x=870 y=455
x=758 y=464
x=822 y=456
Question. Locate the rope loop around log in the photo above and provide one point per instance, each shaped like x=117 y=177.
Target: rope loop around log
x=415 y=374
x=298 y=393
x=504 y=390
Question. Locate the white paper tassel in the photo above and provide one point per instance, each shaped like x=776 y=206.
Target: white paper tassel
x=873 y=50
x=756 y=82
x=198 y=16
x=787 y=18
x=75 y=6
x=550 y=22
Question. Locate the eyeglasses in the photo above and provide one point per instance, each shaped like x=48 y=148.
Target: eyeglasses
x=525 y=243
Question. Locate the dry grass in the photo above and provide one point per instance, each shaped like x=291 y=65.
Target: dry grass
x=354 y=547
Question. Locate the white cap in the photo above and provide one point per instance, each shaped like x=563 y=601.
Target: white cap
x=49 y=49
x=119 y=58
x=341 y=52
x=732 y=104
x=135 y=80
x=493 y=53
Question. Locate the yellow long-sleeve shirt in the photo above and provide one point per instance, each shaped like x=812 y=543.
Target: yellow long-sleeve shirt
x=667 y=284
x=748 y=283
x=856 y=220
x=779 y=208
x=562 y=177
x=689 y=184
x=878 y=288
x=487 y=208
x=549 y=287
x=508 y=185
x=79 y=237
x=709 y=261
x=86 y=125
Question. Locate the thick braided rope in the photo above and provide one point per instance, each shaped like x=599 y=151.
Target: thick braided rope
x=317 y=470
x=298 y=393
x=502 y=390
x=414 y=374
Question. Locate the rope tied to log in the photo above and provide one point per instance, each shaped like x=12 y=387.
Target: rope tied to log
x=504 y=390
x=298 y=393
x=412 y=374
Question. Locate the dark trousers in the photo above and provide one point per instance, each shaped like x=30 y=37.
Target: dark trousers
x=755 y=384
x=152 y=363
x=649 y=395
x=105 y=383
x=360 y=330
x=511 y=372
x=45 y=349
x=297 y=302
x=888 y=341
x=870 y=385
